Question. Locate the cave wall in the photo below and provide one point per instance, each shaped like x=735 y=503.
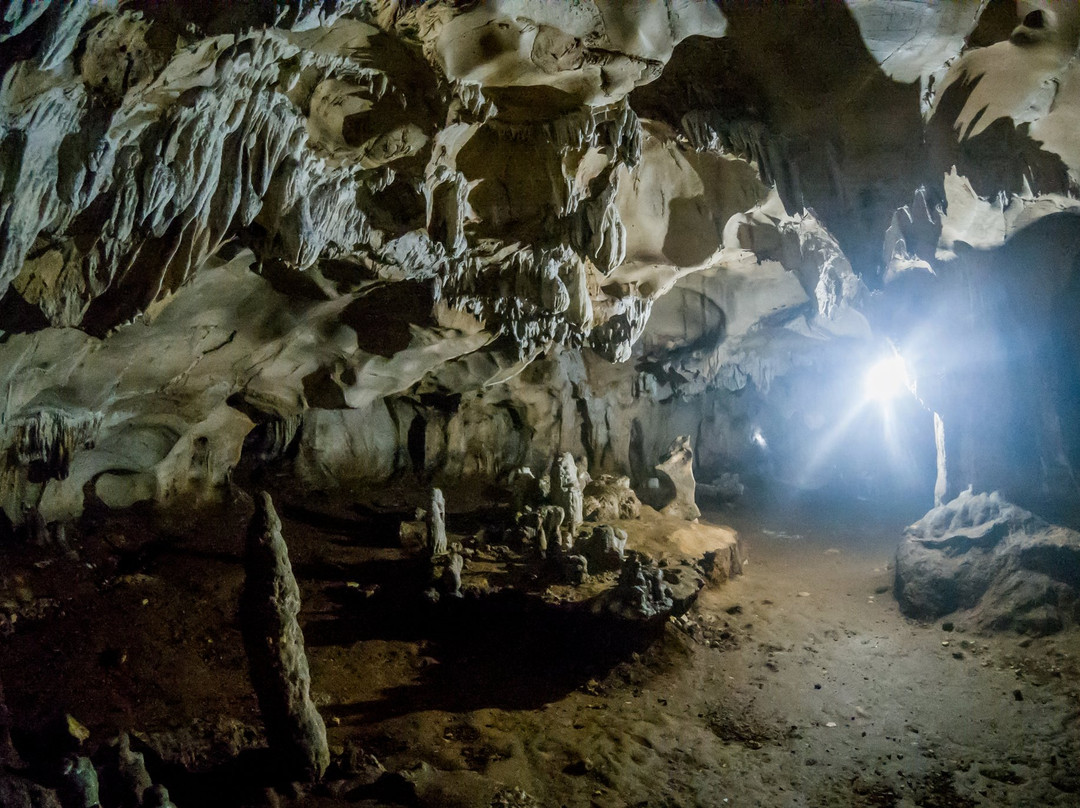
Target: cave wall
x=360 y=240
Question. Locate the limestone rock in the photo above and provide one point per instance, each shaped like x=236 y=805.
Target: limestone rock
x=566 y=490
x=157 y=797
x=18 y=792
x=980 y=552
x=452 y=575
x=269 y=606
x=603 y=549
x=551 y=533
x=676 y=473
x=641 y=594
x=610 y=497
x=79 y=783
x=525 y=489
x=436 y=523
x=125 y=780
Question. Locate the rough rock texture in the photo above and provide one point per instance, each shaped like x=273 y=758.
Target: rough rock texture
x=129 y=780
x=157 y=797
x=436 y=523
x=980 y=552
x=610 y=497
x=274 y=642
x=603 y=549
x=641 y=594
x=361 y=239
x=79 y=786
x=566 y=491
x=677 y=485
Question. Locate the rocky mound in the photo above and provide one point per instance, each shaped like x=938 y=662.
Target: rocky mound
x=979 y=552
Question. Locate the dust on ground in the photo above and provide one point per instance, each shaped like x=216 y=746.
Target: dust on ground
x=798 y=683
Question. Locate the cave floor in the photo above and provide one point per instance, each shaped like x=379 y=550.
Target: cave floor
x=798 y=683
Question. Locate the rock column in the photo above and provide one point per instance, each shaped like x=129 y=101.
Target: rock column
x=436 y=523
x=566 y=491
x=275 y=648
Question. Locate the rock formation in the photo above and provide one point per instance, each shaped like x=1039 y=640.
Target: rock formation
x=354 y=240
x=79 y=783
x=128 y=782
x=676 y=473
x=269 y=606
x=157 y=797
x=981 y=553
x=452 y=575
x=436 y=523
x=609 y=497
x=566 y=491
x=551 y=524
x=641 y=594
x=604 y=548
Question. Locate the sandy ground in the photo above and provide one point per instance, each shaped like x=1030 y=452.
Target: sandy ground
x=796 y=684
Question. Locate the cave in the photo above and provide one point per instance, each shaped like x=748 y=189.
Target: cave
x=509 y=403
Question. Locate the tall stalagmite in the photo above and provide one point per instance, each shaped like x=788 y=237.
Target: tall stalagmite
x=274 y=642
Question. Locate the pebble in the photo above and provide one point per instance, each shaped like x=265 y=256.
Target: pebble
x=804 y=594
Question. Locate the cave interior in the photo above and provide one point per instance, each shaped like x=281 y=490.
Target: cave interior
x=519 y=403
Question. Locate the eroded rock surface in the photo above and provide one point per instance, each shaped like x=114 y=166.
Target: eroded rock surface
x=979 y=552
x=274 y=642
x=359 y=239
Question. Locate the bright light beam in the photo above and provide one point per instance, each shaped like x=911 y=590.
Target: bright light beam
x=886 y=380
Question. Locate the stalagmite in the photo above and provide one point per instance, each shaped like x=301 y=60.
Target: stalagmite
x=452 y=575
x=274 y=642
x=79 y=784
x=566 y=490
x=157 y=797
x=127 y=787
x=551 y=522
x=676 y=468
x=436 y=523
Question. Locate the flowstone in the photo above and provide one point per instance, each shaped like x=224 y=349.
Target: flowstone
x=278 y=664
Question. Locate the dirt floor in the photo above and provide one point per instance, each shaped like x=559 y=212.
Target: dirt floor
x=796 y=684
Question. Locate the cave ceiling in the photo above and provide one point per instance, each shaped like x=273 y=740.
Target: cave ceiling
x=509 y=228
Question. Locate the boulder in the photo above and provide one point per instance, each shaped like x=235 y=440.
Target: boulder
x=979 y=552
